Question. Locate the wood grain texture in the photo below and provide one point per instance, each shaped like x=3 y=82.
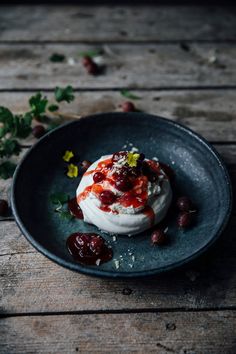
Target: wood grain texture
x=126 y=65
x=209 y=282
x=211 y=113
x=184 y=333
x=116 y=23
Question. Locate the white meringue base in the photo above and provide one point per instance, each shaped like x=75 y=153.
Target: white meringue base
x=122 y=223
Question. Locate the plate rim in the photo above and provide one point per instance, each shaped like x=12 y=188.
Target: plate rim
x=77 y=267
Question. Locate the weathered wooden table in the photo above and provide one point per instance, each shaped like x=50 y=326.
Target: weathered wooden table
x=182 y=62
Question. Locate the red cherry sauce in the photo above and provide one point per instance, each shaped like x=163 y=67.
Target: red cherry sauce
x=89 y=248
x=75 y=209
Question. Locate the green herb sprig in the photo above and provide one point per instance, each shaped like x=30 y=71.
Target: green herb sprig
x=59 y=200
x=19 y=126
x=128 y=94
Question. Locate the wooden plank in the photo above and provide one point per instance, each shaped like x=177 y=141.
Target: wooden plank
x=208 y=112
x=51 y=288
x=116 y=23
x=208 y=332
x=150 y=66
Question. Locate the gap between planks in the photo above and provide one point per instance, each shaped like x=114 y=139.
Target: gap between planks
x=122 y=311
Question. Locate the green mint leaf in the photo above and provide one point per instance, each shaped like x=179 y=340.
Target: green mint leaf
x=91 y=53
x=5 y=114
x=128 y=94
x=9 y=147
x=57 y=58
x=64 y=94
x=59 y=198
x=38 y=104
x=65 y=215
x=53 y=108
x=22 y=126
x=7 y=169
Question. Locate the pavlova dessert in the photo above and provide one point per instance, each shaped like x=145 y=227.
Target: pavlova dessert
x=124 y=193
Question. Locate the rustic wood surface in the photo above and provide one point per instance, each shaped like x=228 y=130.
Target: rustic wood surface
x=181 y=62
x=177 y=332
x=24 y=66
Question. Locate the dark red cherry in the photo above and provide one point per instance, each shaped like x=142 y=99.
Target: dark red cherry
x=149 y=172
x=128 y=107
x=123 y=184
x=158 y=237
x=82 y=242
x=184 y=204
x=119 y=155
x=92 y=68
x=96 y=245
x=98 y=177
x=107 y=197
x=184 y=220
x=86 y=61
x=38 y=131
x=121 y=172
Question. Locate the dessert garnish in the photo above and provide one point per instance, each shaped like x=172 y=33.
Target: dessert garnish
x=72 y=171
x=89 y=248
x=68 y=155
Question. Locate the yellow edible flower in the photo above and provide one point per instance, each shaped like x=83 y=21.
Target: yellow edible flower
x=72 y=170
x=132 y=159
x=68 y=155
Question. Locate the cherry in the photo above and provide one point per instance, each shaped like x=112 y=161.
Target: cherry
x=121 y=172
x=141 y=157
x=82 y=243
x=98 y=177
x=184 y=204
x=92 y=68
x=119 y=155
x=134 y=171
x=86 y=61
x=38 y=131
x=149 y=172
x=158 y=237
x=3 y=207
x=123 y=184
x=128 y=107
x=85 y=165
x=107 y=197
x=184 y=219
x=96 y=245
x=167 y=170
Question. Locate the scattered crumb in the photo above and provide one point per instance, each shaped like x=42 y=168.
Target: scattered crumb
x=133 y=258
x=117 y=263
x=134 y=149
x=114 y=238
x=71 y=61
x=98 y=261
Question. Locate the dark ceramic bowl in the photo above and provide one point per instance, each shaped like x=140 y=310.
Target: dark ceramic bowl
x=200 y=174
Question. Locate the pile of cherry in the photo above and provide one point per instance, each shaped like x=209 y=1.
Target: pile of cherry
x=185 y=216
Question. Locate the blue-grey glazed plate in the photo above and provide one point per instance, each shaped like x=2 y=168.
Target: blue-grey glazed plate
x=199 y=171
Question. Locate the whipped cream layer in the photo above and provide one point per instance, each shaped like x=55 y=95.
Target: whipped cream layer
x=117 y=218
